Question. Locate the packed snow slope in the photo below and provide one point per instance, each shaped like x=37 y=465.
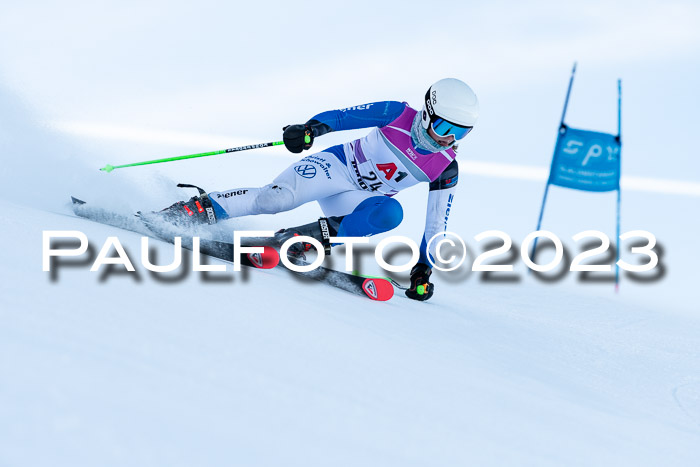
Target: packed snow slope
x=258 y=368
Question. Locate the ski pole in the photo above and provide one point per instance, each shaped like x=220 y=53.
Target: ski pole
x=109 y=168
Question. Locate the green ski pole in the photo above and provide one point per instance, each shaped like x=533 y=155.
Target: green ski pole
x=109 y=168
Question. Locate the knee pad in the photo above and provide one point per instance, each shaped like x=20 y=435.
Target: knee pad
x=372 y=216
x=274 y=198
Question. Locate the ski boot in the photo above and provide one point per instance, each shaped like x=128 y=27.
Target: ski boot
x=322 y=231
x=197 y=211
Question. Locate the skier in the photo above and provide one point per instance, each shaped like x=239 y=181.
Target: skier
x=354 y=182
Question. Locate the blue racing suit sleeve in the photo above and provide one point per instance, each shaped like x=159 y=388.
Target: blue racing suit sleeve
x=376 y=114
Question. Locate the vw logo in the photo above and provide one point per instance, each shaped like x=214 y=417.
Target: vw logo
x=306 y=171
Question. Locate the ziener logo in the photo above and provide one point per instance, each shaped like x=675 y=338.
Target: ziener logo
x=229 y=194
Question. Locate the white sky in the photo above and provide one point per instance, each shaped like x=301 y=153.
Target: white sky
x=245 y=69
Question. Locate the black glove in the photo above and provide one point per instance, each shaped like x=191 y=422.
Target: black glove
x=421 y=288
x=298 y=137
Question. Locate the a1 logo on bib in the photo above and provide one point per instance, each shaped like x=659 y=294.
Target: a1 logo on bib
x=306 y=171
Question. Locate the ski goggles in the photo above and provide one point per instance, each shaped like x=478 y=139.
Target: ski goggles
x=442 y=127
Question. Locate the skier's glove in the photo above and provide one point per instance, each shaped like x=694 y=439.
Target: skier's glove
x=421 y=288
x=298 y=137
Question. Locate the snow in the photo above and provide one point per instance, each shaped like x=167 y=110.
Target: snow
x=115 y=368
x=260 y=368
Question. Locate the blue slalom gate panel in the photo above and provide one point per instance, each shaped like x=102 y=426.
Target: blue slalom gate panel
x=586 y=160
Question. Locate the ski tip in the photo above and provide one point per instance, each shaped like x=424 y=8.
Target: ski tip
x=378 y=289
x=75 y=200
x=268 y=259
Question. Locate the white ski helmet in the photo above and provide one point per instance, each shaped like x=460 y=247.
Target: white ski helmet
x=451 y=107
